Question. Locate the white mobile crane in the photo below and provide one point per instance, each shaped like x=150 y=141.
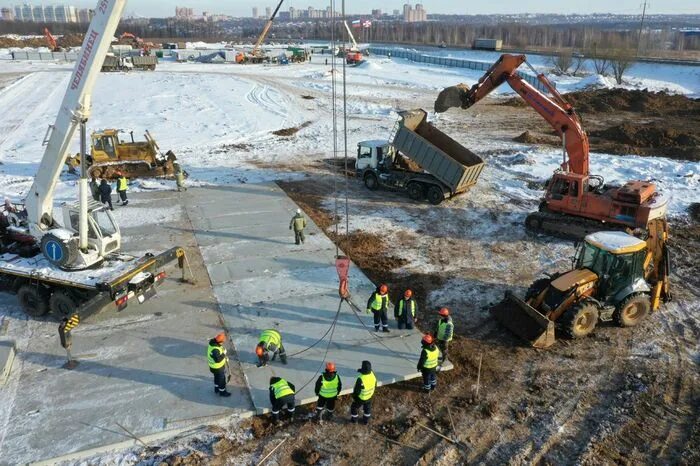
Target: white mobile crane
x=354 y=55
x=43 y=257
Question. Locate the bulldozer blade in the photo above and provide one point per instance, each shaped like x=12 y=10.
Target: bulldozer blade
x=524 y=321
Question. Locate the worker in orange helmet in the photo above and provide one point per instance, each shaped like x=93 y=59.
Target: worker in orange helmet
x=218 y=362
x=378 y=304
x=428 y=362
x=405 y=311
x=445 y=332
x=328 y=387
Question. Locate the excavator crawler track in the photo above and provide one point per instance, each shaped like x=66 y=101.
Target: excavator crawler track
x=567 y=226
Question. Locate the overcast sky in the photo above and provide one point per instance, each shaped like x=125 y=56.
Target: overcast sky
x=162 y=8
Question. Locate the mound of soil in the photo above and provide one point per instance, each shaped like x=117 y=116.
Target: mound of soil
x=286 y=132
x=308 y=97
x=649 y=135
x=529 y=138
x=637 y=101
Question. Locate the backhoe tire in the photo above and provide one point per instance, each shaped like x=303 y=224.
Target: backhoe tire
x=62 y=304
x=632 y=310
x=537 y=287
x=435 y=195
x=371 y=182
x=33 y=300
x=415 y=191
x=579 y=320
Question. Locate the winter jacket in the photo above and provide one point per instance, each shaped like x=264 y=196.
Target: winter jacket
x=273 y=381
x=327 y=376
x=405 y=311
x=378 y=302
x=105 y=190
x=95 y=190
x=357 y=389
x=424 y=357
x=298 y=222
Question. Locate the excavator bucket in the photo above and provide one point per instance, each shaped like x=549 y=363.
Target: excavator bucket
x=450 y=97
x=524 y=321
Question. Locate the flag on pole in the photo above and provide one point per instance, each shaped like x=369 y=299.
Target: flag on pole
x=367 y=24
x=356 y=23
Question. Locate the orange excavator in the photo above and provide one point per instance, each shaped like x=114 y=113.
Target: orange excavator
x=575 y=203
x=51 y=41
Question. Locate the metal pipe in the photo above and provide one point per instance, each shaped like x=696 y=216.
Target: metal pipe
x=83 y=189
x=564 y=164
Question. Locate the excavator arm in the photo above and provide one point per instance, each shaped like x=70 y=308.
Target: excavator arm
x=553 y=107
x=50 y=40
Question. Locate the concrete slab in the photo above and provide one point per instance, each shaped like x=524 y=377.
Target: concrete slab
x=143 y=368
x=7 y=357
x=262 y=280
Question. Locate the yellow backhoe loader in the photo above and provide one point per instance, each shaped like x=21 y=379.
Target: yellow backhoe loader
x=110 y=155
x=615 y=277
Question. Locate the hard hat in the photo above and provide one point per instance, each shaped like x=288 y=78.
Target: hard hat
x=427 y=339
x=220 y=338
x=383 y=289
x=330 y=367
x=259 y=351
x=407 y=294
x=298 y=211
x=444 y=312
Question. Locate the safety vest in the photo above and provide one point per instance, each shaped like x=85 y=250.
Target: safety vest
x=329 y=388
x=377 y=301
x=442 y=330
x=122 y=184
x=210 y=357
x=271 y=337
x=412 y=306
x=299 y=222
x=431 y=360
x=369 y=382
x=281 y=389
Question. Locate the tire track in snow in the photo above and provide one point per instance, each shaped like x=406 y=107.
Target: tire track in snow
x=268 y=99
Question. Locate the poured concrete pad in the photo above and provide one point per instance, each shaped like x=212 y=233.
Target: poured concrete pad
x=143 y=369
x=7 y=357
x=263 y=280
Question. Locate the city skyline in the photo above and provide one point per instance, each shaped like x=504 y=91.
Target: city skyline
x=162 y=8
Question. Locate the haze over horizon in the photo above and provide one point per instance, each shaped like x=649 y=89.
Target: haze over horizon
x=161 y=8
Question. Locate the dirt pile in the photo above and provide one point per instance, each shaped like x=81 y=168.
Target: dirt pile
x=649 y=136
x=286 y=132
x=529 y=137
x=71 y=40
x=637 y=101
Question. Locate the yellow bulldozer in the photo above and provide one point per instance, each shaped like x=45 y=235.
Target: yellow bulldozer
x=615 y=277
x=110 y=155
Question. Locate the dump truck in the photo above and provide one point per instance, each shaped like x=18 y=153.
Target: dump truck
x=110 y=155
x=127 y=63
x=615 y=277
x=420 y=159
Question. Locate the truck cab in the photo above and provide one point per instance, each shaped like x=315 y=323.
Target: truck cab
x=374 y=155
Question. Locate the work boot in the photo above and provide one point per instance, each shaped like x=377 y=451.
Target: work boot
x=353 y=420
x=283 y=359
x=376 y=328
x=225 y=393
x=385 y=329
x=365 y=420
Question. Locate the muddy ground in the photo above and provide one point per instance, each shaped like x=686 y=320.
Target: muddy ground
x=620 y=121
x=67 y=40
x=622 y=396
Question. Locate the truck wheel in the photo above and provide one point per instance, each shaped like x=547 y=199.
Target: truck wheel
x=32 y=300
x=415 y=191
x=579 y=320
x=632 y=310
x=435 y=195
x=62 y=304
x=371 y=181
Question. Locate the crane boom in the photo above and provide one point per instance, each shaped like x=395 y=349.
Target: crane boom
x=266 y=29
x=553 y=107
x=352 y=38
x=74 y=108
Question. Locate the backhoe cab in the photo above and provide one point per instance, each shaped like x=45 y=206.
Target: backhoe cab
x=615 y=277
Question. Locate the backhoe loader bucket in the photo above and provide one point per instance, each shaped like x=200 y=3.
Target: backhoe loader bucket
x=524 y=321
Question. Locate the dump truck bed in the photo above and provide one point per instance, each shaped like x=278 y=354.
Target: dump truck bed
x=436 y=152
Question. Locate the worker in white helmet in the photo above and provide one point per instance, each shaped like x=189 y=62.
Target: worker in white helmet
x=298 y=224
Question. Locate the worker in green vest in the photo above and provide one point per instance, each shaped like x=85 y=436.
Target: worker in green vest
x=281 y=394
x=217 y=359
x=428 y=363
x=180 y=178
x=270 y=341
x=298 y=223
x=378 y=304
x=328 y=387
x=405 y=311
x=445 y=331
x=362 y=393
x=122 y=186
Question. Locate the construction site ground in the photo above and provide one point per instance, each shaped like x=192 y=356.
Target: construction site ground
x=627 y=396
x=142 y=372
